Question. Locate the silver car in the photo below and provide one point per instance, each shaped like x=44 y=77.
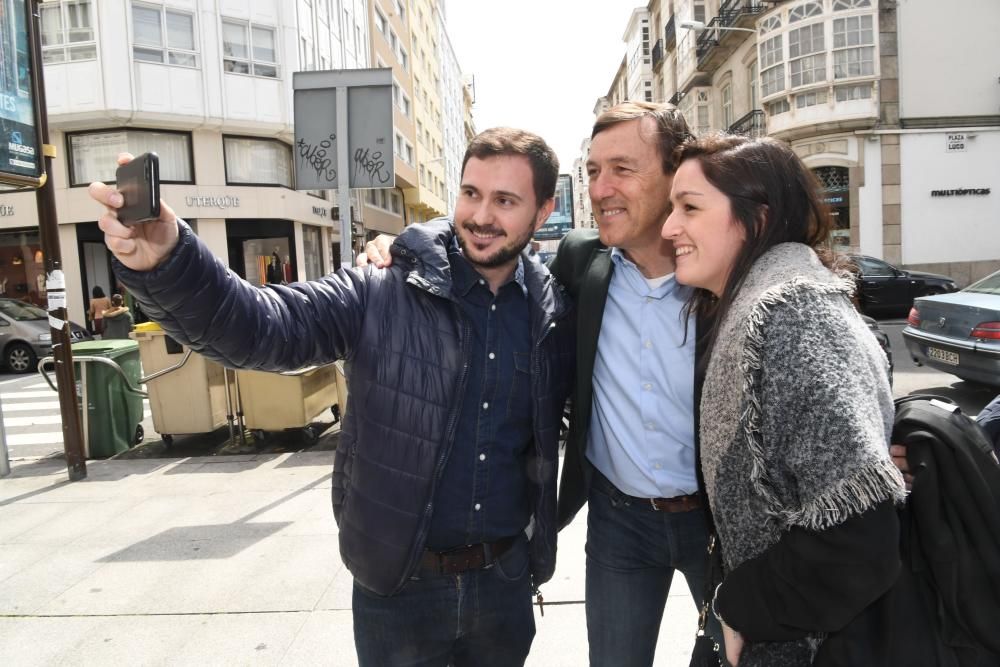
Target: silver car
x=25 y=335
x=959 y=333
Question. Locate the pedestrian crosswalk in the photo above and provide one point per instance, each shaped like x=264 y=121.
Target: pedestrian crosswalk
x=31 y=417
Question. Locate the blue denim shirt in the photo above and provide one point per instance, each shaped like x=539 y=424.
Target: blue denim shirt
x=642 y=425
x=482 y=495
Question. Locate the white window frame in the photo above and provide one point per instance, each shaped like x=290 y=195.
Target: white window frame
x=92 y=154
x=166 y=52
x=257 y=67
x=807 y=70
x=727 y=106
x=772 y=80
x=75 y=44
x=274 y=154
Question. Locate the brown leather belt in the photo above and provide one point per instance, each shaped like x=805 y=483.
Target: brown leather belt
x=463 y=559
x=677 y=503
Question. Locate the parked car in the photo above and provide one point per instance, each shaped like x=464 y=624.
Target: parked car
x=25 y=335
x=959 y=333
x=883 y=340
x=884 y=289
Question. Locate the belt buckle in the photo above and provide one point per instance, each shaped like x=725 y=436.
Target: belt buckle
x=652 y=502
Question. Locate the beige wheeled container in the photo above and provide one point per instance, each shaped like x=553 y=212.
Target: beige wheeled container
x=190 y=398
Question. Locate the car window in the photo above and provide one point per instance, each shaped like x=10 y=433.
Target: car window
x=988 y=285
x=872 y=267
x=20 y=311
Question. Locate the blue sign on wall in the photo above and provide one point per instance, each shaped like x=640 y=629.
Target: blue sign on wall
x=20 y=159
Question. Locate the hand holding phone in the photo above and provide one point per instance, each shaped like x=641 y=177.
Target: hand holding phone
x=138 y=182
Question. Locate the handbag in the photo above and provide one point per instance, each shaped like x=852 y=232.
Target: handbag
x=706 y=649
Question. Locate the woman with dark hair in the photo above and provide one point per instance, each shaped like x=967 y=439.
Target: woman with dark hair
x=796 y=409
x=98 y=304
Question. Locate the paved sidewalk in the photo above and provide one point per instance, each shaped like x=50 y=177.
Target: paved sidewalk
x=215 y=561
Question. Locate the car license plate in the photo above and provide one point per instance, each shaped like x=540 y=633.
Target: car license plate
x=943 y=356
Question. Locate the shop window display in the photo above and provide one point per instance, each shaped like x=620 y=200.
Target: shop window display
x=22 y=267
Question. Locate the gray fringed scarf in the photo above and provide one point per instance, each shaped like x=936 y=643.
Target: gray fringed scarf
x=796 y=414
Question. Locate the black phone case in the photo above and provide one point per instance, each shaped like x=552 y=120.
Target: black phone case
x=139 y=184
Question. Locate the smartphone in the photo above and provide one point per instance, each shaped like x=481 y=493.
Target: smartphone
x=139 y=184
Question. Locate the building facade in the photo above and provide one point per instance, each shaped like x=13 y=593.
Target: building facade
x=880 y=98
x=206 y=85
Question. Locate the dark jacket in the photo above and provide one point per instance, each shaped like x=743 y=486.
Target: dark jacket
x=406 y=345
x=118 y=323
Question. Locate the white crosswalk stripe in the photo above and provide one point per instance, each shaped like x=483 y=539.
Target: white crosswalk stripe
x=31 y=415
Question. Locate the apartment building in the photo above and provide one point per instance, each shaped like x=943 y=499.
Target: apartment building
x=883 y=100
x=208 y=86
x=384 y=209
x=428 y=199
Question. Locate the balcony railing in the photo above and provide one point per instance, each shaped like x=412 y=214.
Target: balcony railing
x=670 y=35
x=751 y=125
x=657 y=53
x=733 y=10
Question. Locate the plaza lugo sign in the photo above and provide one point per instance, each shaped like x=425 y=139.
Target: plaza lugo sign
x=20 y=149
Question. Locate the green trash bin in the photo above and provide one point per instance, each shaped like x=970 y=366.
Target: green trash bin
x=112 y=415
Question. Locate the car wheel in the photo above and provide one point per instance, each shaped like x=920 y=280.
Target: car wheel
x=20 y=358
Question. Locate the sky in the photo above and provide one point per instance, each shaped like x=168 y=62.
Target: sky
x=540 y=65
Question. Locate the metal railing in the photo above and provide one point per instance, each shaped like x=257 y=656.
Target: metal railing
x=676 y=98
x=657 y=53
x=669 y=34
x=752 y=125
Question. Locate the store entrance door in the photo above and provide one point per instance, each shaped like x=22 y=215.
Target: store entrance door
x=262 y=251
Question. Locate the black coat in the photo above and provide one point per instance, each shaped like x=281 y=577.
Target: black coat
x=406 y=345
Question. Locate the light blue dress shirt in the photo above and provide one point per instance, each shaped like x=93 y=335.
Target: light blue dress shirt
x=642 y=425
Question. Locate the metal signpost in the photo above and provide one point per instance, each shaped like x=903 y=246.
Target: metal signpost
x=26 y=161
x=330 y=105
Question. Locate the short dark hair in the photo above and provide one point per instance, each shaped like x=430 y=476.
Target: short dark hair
x=671 y=128
x=499 y=141
x=97 y=292
x=773 y=196
x=117 y=299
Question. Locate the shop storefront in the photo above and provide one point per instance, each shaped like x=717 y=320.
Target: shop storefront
x=22 y=268
x=835 y=193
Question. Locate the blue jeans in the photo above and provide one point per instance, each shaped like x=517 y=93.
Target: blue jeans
x=632 y=553
x=480 y=617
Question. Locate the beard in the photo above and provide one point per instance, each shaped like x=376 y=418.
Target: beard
x=508 y=252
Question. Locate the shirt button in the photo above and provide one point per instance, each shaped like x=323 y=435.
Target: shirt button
x=648 y=344
x=649 y=299
x=492 y=356
x=650 y=426
x=482 y=457
x=482 y=282
x=486 y=406
x=493 y=307
x=647 y=386
x=658 y=466
x=478 y=506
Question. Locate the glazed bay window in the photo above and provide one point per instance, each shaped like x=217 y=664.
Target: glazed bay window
x=249 y=49
x=772 y=76
x=163 y=36
x=252 y=161
x=807 y=55
x=67 y=31
x=92 y=155
x=854 y=47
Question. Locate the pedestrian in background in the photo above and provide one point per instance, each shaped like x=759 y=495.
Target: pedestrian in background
x=796 y=410
x=118 y=320
x=461 y=361
x=98 y=304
